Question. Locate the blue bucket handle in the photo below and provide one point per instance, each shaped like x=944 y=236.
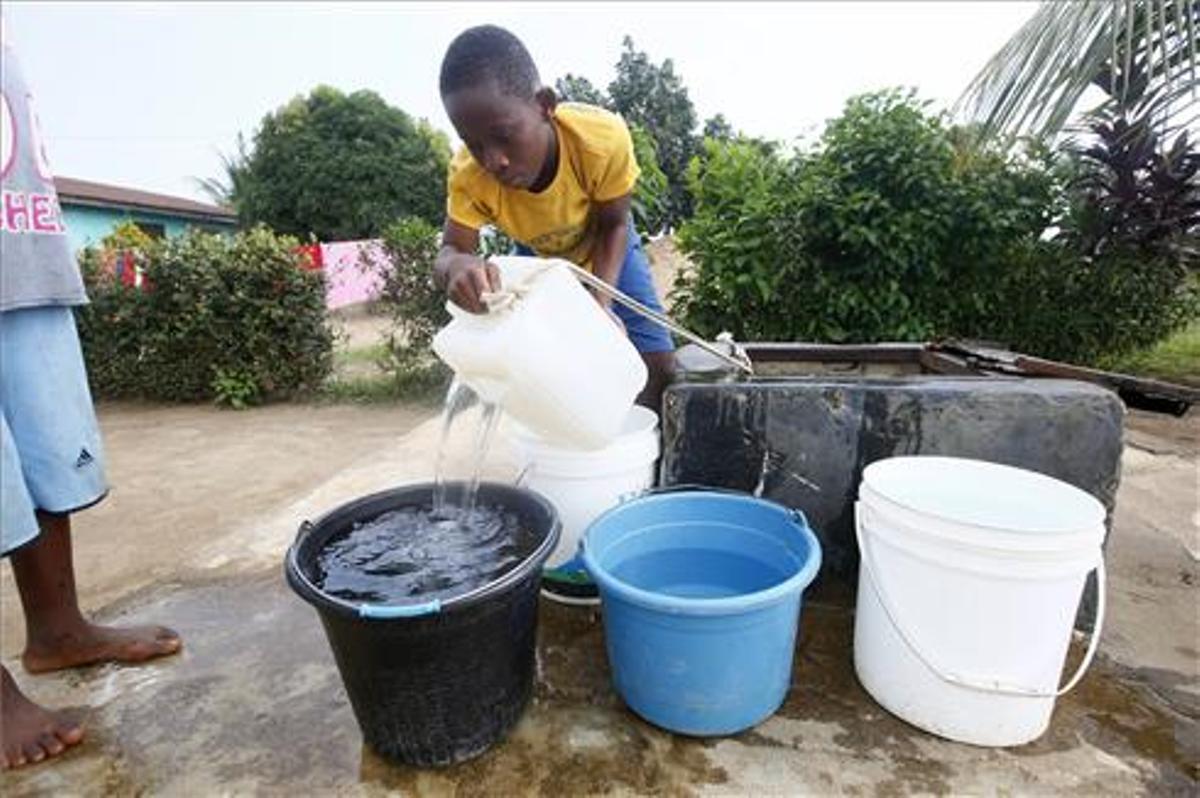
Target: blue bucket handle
x=687 y=487
x=662 y=490
x=389 y=612
x=380 y=611
x=691 y=487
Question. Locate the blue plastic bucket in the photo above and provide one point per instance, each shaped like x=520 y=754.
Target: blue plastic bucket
x=701 y=598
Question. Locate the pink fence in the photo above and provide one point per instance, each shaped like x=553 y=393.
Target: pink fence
x=351 y=278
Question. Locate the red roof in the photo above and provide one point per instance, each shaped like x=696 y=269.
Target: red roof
x=85 y=192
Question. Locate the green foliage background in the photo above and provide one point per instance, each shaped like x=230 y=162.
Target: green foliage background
x=234 y=319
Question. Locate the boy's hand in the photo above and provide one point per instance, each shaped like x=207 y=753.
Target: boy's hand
x=468 y=279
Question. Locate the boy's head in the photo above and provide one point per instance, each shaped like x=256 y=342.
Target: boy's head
x=496 y=102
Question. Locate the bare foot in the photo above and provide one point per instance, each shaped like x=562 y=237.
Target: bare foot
x=29 y=733
x=88 y=643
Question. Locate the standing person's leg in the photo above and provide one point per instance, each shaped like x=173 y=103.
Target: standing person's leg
x=53 y=465
x=56 y=633
x=28 y=733
x=652 y=340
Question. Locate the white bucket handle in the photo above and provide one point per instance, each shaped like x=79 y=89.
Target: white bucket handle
x=971 y=682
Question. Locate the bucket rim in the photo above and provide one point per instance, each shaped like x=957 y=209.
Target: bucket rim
x=1004 y=564
x=632 y=450
x=647 y=423
x=727 y=605
x=322 y=601
x=589 y=465
x=996 y=541
x=1095 y=508
x=979 y=539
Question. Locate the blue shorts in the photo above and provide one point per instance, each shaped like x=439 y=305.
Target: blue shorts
x=635 y=280
x=52 y=457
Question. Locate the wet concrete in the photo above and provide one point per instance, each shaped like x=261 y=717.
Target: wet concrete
x=254 y=704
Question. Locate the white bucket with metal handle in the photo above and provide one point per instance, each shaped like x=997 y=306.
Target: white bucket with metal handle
x=970 y=581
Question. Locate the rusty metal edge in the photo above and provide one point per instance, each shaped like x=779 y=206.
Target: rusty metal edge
x=965 y=358
x=834 y=353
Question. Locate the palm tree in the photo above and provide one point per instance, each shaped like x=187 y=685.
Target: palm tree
x=1135 y=51
x=223 y=190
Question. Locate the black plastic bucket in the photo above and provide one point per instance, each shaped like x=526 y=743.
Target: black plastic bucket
x=435 y=683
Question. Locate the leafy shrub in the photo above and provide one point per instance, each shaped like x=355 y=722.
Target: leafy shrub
x=652 y=195
x=732 y=239
x=237 y=389
x=1053 y=303
x=128 y=236
x=1121 y=272
x=898 y=227
x=414 y=303
x=233 y=319
x=1134 y=192
x=494 y=241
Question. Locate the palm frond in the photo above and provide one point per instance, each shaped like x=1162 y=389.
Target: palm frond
x=1127 y=48
x=215 y=189
x=224 y=190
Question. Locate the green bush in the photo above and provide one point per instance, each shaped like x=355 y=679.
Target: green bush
x=494 y=241
x=337 y=166
x=1059 y=305
x=732 y=239
x=231 y=319
x=652 y=195
x=413 y=302
x=899 y=227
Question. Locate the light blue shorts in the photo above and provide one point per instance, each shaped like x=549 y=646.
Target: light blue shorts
x=52 y=457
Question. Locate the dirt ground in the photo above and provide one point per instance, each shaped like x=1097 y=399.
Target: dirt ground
x=667 y=263
x=358 y=327
x=183 y=475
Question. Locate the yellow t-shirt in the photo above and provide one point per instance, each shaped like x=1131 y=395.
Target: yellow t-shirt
x=595 y=164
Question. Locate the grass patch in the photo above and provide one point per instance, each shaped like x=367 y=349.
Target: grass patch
x=363 y=389
x=1177 y=359
x=363 y=354
x=382 y=387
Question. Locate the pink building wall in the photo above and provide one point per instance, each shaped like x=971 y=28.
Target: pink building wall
x=348 y=280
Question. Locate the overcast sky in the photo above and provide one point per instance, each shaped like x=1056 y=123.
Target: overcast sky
x=146 y=95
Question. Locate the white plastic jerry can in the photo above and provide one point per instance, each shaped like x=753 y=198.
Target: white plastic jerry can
x=547 y=354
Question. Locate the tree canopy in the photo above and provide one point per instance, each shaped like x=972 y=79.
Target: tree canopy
x=339 y=167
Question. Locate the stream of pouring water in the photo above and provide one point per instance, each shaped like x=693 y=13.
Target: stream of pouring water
x=431 y=552
x=460 y=399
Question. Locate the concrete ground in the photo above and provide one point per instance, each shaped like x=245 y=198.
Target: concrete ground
x=206 y=502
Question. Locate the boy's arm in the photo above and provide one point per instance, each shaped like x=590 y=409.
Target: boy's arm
x=462 y=274
x=612 y=237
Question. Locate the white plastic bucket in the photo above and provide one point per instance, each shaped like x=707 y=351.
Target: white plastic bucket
x=547 y=353
x=582 y=484
x=971 y=576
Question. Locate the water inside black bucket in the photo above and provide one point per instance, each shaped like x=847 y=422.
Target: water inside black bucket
x=412 y=554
